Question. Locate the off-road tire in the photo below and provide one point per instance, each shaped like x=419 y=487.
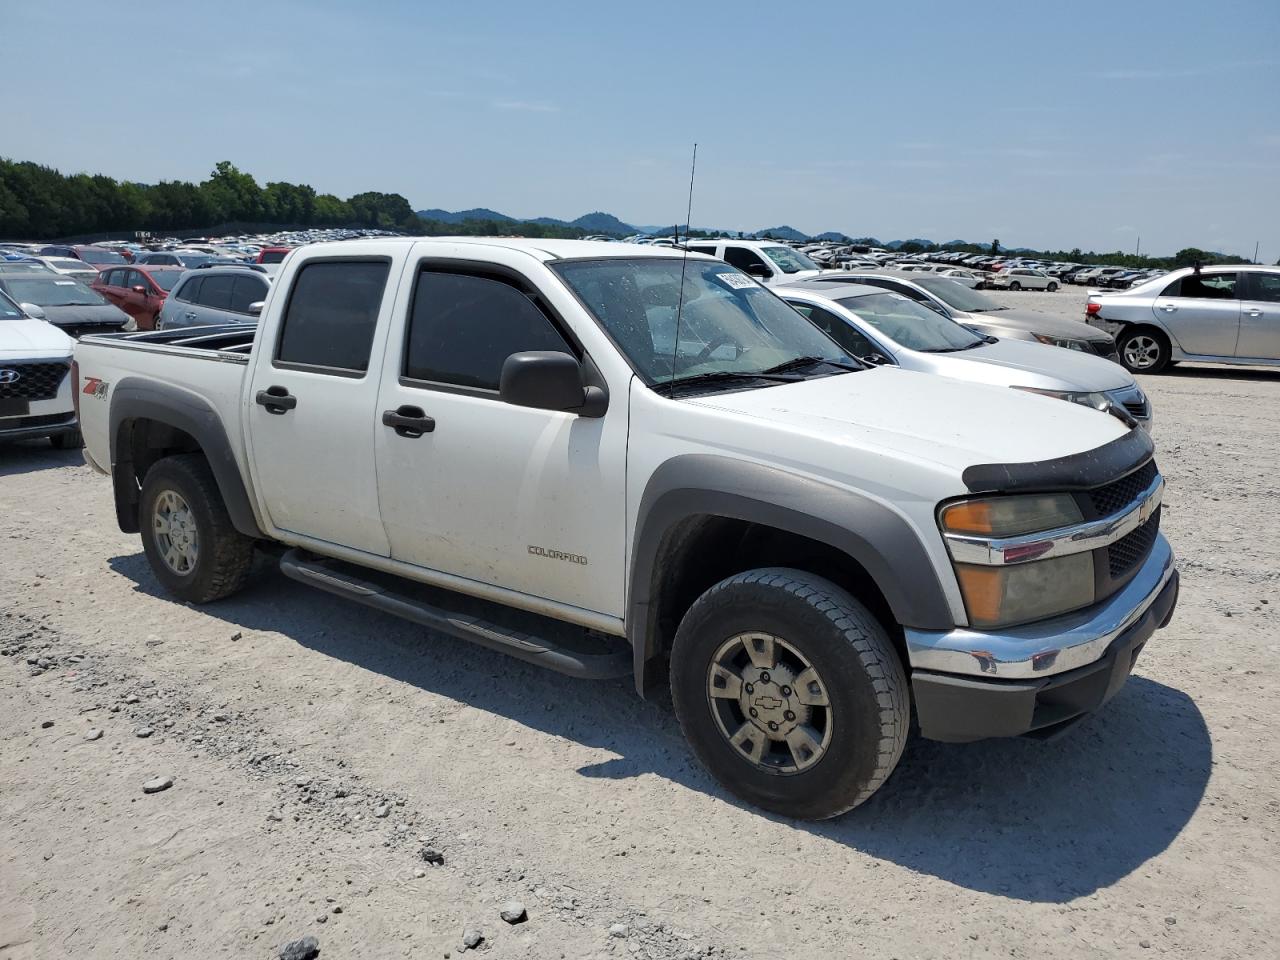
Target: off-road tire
x=861 y=672
x=67 y=441
x=224 y=554
x=1128 y=345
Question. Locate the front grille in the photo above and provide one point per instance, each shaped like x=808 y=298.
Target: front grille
x=35 y=381
x=26 y=423
x=1136 y=409
x=1131 y=549
x=1114 y=497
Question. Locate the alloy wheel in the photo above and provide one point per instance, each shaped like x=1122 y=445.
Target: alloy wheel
x=175 y=531
x=769 y=703
x=1141 y=352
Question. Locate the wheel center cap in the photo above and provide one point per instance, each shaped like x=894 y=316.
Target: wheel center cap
x=768 y=699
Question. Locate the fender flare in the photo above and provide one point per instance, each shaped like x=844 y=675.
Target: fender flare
x=881 y=540
x=136 y=399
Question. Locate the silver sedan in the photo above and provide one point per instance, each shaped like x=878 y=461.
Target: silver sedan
x=883 y=327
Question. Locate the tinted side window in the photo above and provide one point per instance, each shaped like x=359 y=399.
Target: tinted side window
x=742 y=258
x=332 y=313
x=710 y=251
x=839 y=331
x=1264 y=287
x=464 y=327
x=216 y=292
x=190 y=290
x=111 y=278
x=247 y=290
x=1209 y=286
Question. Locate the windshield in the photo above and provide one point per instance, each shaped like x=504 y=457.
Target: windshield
x=910 y=324
x=101 y=256
x=193 y=260
x=958 y=295
x=165 y=279
x=52 y=292
x=729 y=324
x=788 y=260
x=273 y=256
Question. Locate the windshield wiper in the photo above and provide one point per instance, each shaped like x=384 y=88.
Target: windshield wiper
x=722 y=376
x=799 y=363
x=954 y=349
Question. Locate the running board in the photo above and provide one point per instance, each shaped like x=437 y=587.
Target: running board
x=339 y=578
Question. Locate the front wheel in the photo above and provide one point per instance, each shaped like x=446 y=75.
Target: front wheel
x=67 y=441
x=1053 y=288
x=195 y=551
x=1143 y=350
x=790 y=692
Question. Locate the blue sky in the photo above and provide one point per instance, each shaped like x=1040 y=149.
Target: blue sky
x=1058 y=124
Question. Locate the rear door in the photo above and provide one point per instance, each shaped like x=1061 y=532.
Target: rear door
x=311 y=405
x=1202 y=311
x=1260 y=317
x=527 y=499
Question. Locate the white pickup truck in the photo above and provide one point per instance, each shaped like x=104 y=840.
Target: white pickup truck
x=612 y=460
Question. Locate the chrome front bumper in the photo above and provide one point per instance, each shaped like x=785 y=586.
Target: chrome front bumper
x=1048 y=647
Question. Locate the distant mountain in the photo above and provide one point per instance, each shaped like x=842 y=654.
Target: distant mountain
x=604 y=223
x=592 y=222
x=899 y=244
x=784 y=233
x=832 y=235
x=479 y=213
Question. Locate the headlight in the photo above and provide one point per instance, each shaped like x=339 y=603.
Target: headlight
x=1021 y=588
x=1099 y=401
x=1065 y=342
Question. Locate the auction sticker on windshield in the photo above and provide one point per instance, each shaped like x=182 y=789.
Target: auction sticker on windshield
x=735 y=281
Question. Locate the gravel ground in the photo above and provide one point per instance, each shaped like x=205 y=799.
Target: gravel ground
x=340 y=774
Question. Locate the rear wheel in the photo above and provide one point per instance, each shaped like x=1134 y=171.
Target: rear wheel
x=790 y=692
x=1143 y=350
x=193 y=548
x=1015 y=285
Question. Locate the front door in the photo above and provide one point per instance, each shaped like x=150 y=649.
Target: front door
x=1260 y=317
x=310 y=410
x=527 y=499
x=1202 y=311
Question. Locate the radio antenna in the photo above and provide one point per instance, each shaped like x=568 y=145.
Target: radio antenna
x=684 y=260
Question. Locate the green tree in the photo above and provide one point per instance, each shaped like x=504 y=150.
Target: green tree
x=995 y=248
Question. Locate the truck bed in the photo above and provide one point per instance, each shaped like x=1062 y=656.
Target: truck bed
x=208 y=362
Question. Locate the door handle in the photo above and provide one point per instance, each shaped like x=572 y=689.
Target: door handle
x=1253 y=313
x=1169 y=307
x=408 y=421
x=277 y=400
x=190 y=316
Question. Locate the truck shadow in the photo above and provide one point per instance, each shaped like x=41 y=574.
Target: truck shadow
x=1031 y=821
x=28 y=456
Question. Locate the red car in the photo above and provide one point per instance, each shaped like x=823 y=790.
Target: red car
x=272 y=254
x=138 y=291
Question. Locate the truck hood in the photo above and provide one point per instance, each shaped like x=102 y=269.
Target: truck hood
x=1032 y=322
x=1070 y=369
x=923 y=416
x=35 y=339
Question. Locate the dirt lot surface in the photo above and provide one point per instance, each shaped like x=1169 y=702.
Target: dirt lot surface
x=317 y=749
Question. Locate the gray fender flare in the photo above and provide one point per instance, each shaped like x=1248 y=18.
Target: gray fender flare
x=883 y=542
x=137 y=399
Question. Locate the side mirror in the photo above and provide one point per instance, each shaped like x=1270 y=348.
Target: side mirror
x=758 y=270
x=255 y=308
x=549 y=380
x=879 y=359
x=33 y=311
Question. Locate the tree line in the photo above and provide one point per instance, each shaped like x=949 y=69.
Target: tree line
x=40 y=203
